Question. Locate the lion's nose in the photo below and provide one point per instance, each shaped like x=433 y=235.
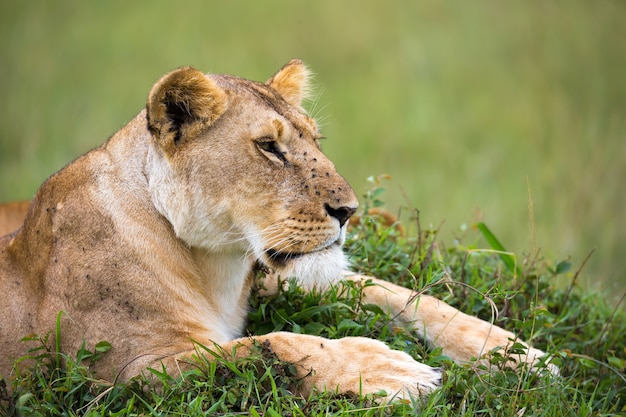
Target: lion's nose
x=340 y=213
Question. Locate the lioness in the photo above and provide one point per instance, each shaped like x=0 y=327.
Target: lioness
x=150 y=241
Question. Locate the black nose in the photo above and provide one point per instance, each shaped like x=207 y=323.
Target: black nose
x=341 y=213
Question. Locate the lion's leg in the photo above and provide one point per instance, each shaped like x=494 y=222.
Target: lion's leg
x=463 y=338
x=352 y=364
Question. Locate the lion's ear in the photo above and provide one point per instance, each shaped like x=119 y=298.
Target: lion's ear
x=292 y=82
x=182 y=104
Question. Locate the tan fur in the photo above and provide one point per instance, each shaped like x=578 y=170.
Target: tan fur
x=12 y=216
x=149 y=242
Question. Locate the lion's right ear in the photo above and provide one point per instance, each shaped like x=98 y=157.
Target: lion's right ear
x=182 y=104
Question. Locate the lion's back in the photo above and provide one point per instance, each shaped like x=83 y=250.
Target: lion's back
x=12 y=216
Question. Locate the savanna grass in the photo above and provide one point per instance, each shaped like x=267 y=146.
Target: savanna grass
x=579 y=329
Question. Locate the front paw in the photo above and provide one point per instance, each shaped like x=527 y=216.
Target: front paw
x=490 y=341
x=371 y=367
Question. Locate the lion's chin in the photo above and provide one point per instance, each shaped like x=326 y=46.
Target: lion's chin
x=314 y=270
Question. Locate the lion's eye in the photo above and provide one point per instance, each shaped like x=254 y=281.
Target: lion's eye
x=271 y=148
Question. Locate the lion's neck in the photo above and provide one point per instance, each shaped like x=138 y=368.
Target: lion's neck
x=227 y=280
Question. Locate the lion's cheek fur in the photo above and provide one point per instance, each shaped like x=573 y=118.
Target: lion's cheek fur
x=194 y=213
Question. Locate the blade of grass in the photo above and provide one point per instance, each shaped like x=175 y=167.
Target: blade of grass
x=495 y=244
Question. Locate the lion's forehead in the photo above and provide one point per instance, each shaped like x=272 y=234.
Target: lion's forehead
x=264 y=95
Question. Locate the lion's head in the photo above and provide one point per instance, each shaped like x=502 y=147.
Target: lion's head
x=237 y=166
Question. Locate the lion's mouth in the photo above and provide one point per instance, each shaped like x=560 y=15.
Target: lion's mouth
x=280 y=259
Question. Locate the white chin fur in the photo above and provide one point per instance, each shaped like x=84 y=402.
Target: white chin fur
x=317 y=270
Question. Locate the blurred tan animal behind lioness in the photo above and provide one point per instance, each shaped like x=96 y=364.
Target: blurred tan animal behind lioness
x=12 y=216
x=150 y=242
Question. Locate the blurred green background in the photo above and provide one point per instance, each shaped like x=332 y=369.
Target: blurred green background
x=467 y=105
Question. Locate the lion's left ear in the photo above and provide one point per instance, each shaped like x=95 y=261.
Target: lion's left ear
x=292 y=82
x=182 y=104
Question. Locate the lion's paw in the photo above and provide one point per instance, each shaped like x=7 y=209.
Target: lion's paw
x=536 y=360
x=516 y=351
x=371 y=367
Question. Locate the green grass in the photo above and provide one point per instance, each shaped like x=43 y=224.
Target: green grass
x=582 y=331
x=467 y=105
